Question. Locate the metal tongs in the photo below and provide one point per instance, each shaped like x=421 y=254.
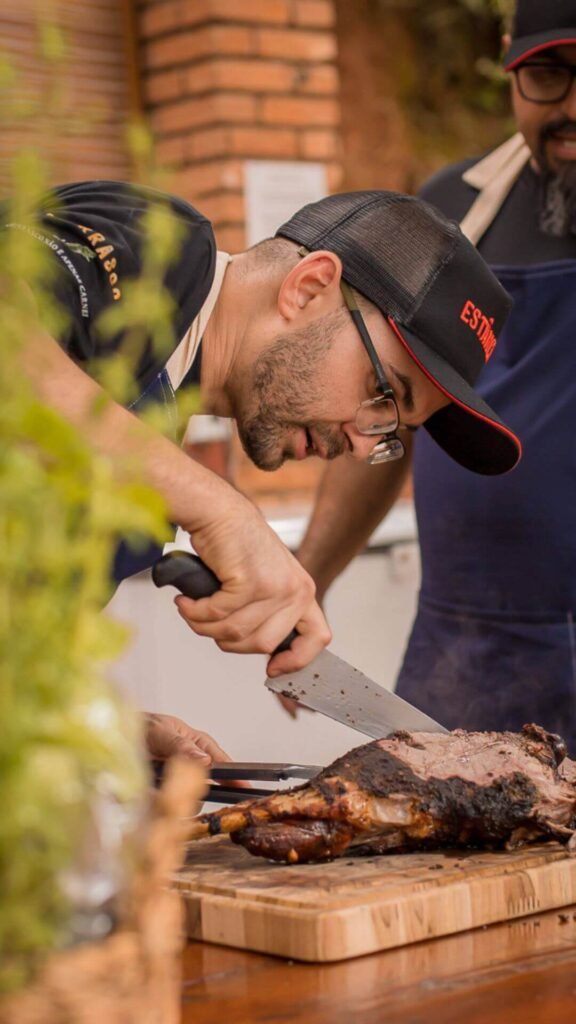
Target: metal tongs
x=250 y=771
x=254 y=771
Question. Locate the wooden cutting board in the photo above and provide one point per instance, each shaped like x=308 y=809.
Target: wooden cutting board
x=358 y=905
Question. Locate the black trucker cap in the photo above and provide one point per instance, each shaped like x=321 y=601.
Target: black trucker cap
x=437 y=294
x=539 y=25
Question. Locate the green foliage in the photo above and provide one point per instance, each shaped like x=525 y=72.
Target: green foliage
x=146 y=307
x=441 y=61
x=499 y=8
x=448 y=9
x=144 y=315
x=67 y=741
x=63 y=730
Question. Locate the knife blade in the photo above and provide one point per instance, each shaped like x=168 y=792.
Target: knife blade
x=340 y=691
x=328 y=684
x=263 y=771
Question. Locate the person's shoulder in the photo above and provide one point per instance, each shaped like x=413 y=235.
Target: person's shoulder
x=120 y=214
x=121 y=200
x=446 y=176
x=447 y=191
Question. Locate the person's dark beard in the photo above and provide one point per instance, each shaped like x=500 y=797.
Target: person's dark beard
x=262 y=436
x=557 y=208
x=287 y=380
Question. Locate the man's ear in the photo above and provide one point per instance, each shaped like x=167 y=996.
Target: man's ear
x=312 y=287
x=506 y=41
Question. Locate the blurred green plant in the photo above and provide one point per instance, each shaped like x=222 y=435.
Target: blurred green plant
x=63 y=729
x=502 y=9
x=447 y=77
x=67 y=740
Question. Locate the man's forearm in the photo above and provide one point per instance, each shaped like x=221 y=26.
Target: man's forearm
x=352 y=499
x=264 y=591
x=190 y=491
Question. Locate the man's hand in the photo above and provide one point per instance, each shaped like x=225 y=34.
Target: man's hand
x=168 y=736
x=265 y=592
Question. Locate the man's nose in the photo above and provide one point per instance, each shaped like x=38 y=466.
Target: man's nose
x=360 y=444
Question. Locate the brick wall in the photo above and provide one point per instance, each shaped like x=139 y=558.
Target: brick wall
x=225 y=81
x=229 y=80
x=71 y=102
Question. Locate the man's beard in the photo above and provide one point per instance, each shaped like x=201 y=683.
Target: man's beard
x=287 y=383
x=557 y=209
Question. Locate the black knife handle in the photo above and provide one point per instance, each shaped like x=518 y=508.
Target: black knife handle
x=193 y=578
x=186 y=572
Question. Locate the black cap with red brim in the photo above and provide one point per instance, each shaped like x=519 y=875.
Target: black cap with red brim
x=467 y=429
x=539 y=25
x=436 y=292
x=523 y=49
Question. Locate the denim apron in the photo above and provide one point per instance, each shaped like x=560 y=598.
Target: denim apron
x=494 y=640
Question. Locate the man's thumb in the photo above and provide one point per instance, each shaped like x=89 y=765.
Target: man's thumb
x=184 y=748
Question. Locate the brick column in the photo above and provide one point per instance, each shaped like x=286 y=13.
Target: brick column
x=225 y=81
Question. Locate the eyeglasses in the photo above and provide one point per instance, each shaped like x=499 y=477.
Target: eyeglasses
x=376 y=416
x=544 y=81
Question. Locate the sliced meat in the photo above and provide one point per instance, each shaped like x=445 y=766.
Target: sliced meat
x=415 y=791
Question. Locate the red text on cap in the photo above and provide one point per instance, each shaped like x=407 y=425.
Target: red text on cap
x=482 y=325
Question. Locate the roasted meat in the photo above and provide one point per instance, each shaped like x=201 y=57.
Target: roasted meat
x=415 y=791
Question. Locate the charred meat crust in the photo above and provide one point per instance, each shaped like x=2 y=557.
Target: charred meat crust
x=379 y=771
x=548 y=746
x=482 y=813
x=295 y=841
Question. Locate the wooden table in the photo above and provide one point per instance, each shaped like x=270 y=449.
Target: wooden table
x=522 y=972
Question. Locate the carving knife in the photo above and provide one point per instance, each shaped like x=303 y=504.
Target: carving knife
x=328 y=684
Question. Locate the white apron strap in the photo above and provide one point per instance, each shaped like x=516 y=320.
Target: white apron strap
x=494 y=177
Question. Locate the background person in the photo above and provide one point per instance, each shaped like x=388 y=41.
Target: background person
x=493 y=643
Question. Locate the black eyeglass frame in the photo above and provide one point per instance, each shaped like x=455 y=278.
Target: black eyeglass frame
x=571 y=68
x=391 y=447
x=391 y=440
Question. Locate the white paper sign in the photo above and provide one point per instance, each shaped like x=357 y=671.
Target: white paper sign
x=276 y=189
